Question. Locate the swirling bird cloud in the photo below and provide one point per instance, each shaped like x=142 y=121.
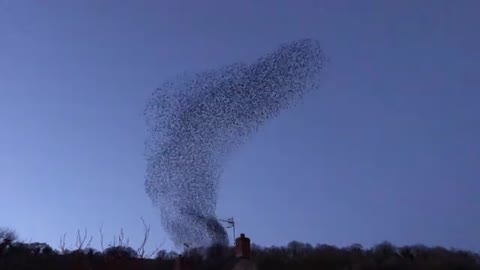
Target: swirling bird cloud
x=195 y=121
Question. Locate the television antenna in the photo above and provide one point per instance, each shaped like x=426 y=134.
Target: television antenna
x=230 y=223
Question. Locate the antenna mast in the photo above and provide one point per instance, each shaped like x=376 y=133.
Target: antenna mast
x=230 y=224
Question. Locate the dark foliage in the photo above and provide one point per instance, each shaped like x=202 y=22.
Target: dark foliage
x=120 y=252
x=7 y=235
x=296 y=255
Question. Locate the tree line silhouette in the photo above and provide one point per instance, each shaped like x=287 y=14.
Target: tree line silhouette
x=17 y=255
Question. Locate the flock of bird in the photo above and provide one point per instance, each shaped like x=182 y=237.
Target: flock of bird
x=195 y=121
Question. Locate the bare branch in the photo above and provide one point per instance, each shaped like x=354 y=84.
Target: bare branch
x=114 y=244
x=101 y=236
x=62 y=243
x=81 y=239
x=7 y=235
x=156 y=250
x=89 y=244
x=120 y=238
x=146 y=235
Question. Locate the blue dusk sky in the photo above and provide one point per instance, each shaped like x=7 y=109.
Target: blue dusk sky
x=387 y=149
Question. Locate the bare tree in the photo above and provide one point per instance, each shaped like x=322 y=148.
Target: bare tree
x=80 y=242
x=89 y=243
x=114 y=244
x=7 y=235
x=156 y=250
x=146 y=235
x=62 y=243
x=101 y=237
x=120 y=241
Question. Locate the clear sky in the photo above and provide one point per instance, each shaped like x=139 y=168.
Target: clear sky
x=387 y=149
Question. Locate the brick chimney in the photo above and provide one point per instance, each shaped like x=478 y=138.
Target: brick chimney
x=242 y=252
x=242 y=247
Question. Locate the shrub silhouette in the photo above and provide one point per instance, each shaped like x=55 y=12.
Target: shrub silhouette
x=15 y=255
x=120 y=252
